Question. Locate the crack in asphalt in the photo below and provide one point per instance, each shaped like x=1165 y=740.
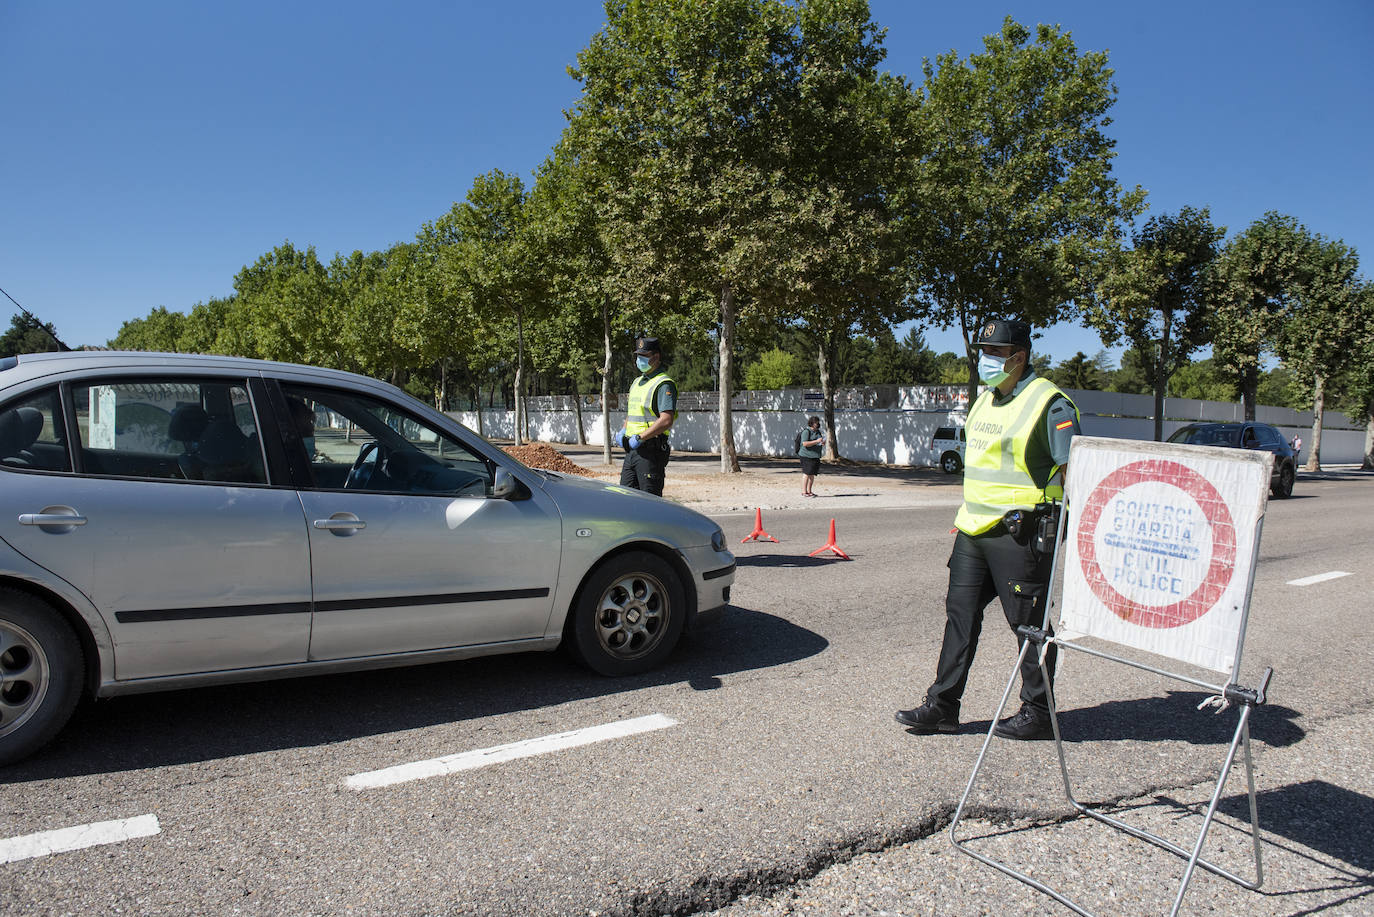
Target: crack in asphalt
x=713 y=892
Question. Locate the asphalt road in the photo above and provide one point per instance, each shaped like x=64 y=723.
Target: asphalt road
x=773 y=780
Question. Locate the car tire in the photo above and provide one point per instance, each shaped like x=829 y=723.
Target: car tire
x=40 y=674
x=1283 y=488
x=950 y=463
x=629 y=615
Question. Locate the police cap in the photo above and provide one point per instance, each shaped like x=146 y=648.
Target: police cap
x=647 y=347
x=1010 y=332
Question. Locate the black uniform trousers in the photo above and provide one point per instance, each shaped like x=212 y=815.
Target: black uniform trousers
x=993 y=565
x=644 y=467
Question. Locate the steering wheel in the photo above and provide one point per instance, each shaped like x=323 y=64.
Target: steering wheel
x=364 y=469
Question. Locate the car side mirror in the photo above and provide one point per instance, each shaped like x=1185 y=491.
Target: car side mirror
x=506 y=486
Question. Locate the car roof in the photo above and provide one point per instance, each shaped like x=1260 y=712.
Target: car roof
x=29 y=366
x=1210 y=424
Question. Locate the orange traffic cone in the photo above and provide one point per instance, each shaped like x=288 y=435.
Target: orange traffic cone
x=830 y=545
x=758 y=534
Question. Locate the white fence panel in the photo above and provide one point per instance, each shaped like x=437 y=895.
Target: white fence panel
x=895 y=424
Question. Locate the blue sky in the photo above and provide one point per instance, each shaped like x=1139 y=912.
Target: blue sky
x=152 y=149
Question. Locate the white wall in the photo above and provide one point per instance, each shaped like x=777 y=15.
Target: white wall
x=902 y=437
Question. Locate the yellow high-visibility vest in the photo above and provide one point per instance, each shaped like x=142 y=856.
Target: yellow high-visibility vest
x=996 y=479
x=640 y=414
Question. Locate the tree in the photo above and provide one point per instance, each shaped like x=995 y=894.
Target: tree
x=567 y=247
x=1157 y=294
x=286 y=310
x=1016 y=186
x=27 y=334
x=852 y=153
x=1081 y=372
x=1355 y=384
x=200 y=333
x=1258 y=275
x=160 y=331
x=1203 y=380
x=490 y=263
x=773 y=369
x=1314 y=339
x=684 y=118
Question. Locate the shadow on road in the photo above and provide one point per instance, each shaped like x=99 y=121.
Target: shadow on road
x=1172 y=718
x=1316 y=814
x=180 y=727
x=786 y=560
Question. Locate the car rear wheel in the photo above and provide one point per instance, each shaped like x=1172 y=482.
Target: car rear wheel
x=1283 y=488
x=40 y=674
x=629 y=615
x=951 y=463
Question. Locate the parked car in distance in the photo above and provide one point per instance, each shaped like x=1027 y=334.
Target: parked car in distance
x=949 y=443
x=170 y=520
x=1247 y=435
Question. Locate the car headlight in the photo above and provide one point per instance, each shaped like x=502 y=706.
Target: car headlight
x=718 y=540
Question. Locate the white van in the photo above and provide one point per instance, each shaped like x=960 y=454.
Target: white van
x=949 y=443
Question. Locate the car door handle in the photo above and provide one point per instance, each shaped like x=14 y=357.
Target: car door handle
x=65 y=520
x=340 y=524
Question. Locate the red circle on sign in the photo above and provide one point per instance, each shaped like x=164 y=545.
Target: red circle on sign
x=1218 y=516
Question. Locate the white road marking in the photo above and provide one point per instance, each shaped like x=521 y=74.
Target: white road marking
x=77 y=837
x=1319 y=578
x=468 y=760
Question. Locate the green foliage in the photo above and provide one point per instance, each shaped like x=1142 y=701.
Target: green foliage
x=1082 y=372
x=773 y=369
x=26 y=334
x=1016 y=181
x=1204 y=380
x=1258 y=276
x=160 y=331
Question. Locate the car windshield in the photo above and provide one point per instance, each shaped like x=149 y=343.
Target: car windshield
x=1207 y=436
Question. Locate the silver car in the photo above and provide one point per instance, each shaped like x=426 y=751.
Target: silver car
x=174 y=520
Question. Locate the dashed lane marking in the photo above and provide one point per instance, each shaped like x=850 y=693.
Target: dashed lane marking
x=77 y=837
x=468 y=760
x=1319 y=578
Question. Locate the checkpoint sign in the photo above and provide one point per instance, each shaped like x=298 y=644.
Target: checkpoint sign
x=1160 y=545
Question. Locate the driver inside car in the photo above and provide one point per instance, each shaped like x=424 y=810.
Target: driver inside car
x=303 y=416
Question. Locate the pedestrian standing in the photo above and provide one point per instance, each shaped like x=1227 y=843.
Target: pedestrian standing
x=1016 y=457
x=648 y=418
x=811 y=442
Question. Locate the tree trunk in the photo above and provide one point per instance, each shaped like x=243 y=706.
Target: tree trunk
x=519 y=374
x=1249 y=390
x=1161 y=378
x=1314 y=457
x=729 y=461
x=606 y=382
x=577 y=410
x=823 y=347
x=1368 y=463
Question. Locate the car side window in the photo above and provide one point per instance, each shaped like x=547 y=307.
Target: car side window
x=32 y=434
x=357 y=442
x=169 y=429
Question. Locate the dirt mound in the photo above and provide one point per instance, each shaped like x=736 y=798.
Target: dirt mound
x=542 y=455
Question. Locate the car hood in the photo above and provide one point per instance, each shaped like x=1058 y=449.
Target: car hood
x=581 y=499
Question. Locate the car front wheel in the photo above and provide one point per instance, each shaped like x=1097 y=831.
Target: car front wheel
x=40 y=674
x=951 y=463
x=1283 y=488
x=629 y=615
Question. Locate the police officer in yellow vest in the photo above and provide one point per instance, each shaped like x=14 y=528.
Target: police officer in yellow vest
x=1017 y=453
x=648 y=417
